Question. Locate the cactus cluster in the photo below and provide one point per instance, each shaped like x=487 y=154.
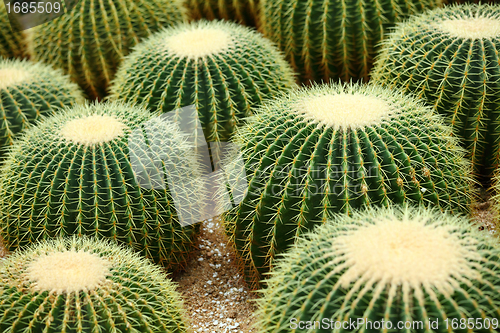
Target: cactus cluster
x=28 y=91
x=221 y=68
x=108 y=170
x=325 y=39
x=241 y=11
x=389 y=265
x=89 y=41
x=11 y=40
x=449 y=57
x=86 y=285
x=335 y=148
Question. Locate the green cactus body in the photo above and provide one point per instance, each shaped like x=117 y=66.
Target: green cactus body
x=221 y=68
x=102 y=170
x=27 y=92
x=86 y=285
x=242 y=11
x=331 y=149
x=449 y=58
x=90 y=41
x=408 y=267
x=11 y=41
x=325 y=39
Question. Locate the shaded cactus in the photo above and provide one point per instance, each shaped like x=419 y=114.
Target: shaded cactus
x=325 y=39
x=221 y=68
x=449 y=58
x=105 y=170
x=11 y=40
x=28 y=91
x=90 y=41
x=331 y=149
x=84 y=285
x=242 y=11
x=399 y=266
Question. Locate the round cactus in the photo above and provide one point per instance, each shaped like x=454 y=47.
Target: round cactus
x=242 y=11
x=326 y=39
x=449 y=57
x=11 y=40
x=221 y=68
x=104 y=170
x=86 y=285
x=27 y=92
x=90 y=41
x=387 y=270
x=334 y=148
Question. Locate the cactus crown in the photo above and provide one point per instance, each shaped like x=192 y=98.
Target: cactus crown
x=12 y=76
x=92 y=129
x=471 y=27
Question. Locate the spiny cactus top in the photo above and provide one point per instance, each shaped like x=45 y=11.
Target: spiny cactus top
x=326 y=39
x=90 y=41
x=219 y=67
x=109 y=170
x=405 y=267
x=242 y=11
x=11 y=41
x=450 y=58
x=29 y=90
x=86 y=285
x=335 y=148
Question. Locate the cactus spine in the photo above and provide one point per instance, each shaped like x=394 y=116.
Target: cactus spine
x=449 y=57
x=102 y=170
x=90 y=41
x=27 y=92
x=11 y=41
x=86 y=285
x=333 y=148
x=325 y=39
x=221 y=68
x=396 y=265
x=242 y=11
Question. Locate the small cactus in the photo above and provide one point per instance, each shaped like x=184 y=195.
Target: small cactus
x=86 y=285
x=11 y=40
x=221 y=68
x=90 y=41
x=242 y=11
x=325 y=39
x=331 y=149
x=28 y=91
x=449 y=58
x=405 y=266
x=102 y=170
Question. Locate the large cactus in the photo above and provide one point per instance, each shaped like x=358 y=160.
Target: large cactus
x=335 y=148
x=242 y=11
x=387 y=270
x=90 y=41
x=84 y=285
x=107 y=170
x=221 y=68
x=11 y=40
x=449 y=57
x=326 y=39
x=28 y=91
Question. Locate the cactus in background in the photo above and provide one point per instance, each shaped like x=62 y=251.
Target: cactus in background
x=28 y=91
x=106 y=170
x=325 y=39
x=90 y=41
x=242 y=11
x=449 y=57
x=335 y=148
x=11 y=41
x=221 y=68
x=86 y=285
x=391 y=265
